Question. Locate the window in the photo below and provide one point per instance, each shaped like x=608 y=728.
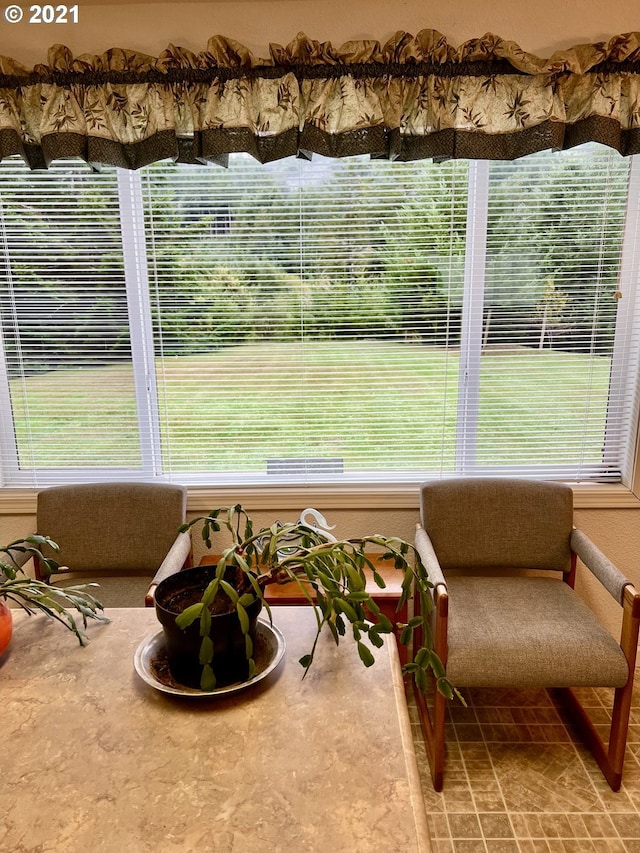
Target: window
x=333 y=321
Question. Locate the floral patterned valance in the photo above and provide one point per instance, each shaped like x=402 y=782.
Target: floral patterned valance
x=413 y=97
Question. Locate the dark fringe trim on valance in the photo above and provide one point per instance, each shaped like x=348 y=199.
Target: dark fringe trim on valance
x=214 y=146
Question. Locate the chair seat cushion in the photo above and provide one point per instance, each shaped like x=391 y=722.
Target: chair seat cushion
x=527 y=632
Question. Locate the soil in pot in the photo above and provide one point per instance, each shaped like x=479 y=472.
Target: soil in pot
x=229 y=663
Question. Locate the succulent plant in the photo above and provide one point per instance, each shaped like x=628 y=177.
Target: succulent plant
x=330 y=574
x=34 y=595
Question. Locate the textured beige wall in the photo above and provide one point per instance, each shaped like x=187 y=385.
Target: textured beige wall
x=540 y=27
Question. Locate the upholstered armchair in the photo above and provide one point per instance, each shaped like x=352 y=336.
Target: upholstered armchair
x=502 y=555
x=116 y=534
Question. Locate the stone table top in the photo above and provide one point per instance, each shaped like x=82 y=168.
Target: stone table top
x=94 y=759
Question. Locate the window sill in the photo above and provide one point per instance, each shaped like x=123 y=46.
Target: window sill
x=390 y=497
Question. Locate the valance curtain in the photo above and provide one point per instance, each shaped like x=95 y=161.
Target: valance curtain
x=411 y=98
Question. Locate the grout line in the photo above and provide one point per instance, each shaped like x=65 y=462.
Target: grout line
x=588 y=774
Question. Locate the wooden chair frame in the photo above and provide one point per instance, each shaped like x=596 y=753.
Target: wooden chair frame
x=609 y=756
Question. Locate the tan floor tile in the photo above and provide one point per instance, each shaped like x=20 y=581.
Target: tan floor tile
x=486 y=697
x=469 y=732
x=627 y=825
x=455 y=785
x=494 y=715
x=457 y=802
x=476 y=752
x=598 y=825
x=438 y=825
x=535 y=845
x=464 y=825
x=489 y=802
x=496 y=826
x=554 y=734
x=534 y=827
x=502 y=845
x=519 y=824
x=581 y=845
x=480 y=772
x=612 y=801
x=555 y=845
x=535 y=715
x=609 y=845
x=459 y=714
x=557 y=826
x=518 y=780
x=469 y=846
x=589 y=697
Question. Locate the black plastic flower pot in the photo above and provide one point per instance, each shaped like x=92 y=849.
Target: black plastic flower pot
x=229 y=664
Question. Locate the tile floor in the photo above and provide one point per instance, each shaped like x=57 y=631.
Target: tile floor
x=518 y=780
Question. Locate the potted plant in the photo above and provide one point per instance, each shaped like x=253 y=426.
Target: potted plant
x=192 y=604
x=36 y=595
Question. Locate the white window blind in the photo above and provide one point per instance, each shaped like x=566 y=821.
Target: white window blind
x=332 y=321
x=68 y=408
x=306 y=316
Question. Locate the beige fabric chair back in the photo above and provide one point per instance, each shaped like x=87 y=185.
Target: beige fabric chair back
x=499 y=523
x=112 y=526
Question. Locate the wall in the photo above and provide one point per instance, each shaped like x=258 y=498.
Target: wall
x=540 y=28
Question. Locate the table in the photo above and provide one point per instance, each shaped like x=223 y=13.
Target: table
x=95 y=759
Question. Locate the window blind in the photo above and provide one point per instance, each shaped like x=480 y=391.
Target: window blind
x=327 y=321
x=69 y=407
x=551 y=303
x=307 y=316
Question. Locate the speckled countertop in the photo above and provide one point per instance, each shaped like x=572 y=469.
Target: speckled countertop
x=94 y=759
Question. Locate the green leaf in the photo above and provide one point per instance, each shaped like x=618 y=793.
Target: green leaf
x=207 y=679
x=375 y=638
x=341 y=606
x=365 y=654
x=248 y=646
x=206 y=650
x=243 y=618
x=230 y=591
x=356 y=582
x=205 y=622
x=252 y=667
x=405 y=636
x=360 y=597
x=210 y=592
x=305 y=661
x=188 y=616
x=444 y=687
x=436 y=665
x=247 y=599
x=422 y=657
x=384 y=625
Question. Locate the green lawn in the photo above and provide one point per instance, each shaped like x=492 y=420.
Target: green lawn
x=336 y=399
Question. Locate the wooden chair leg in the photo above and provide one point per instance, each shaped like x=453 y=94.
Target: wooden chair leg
x=434 y=728
x=433 y=731
x=610 y=758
